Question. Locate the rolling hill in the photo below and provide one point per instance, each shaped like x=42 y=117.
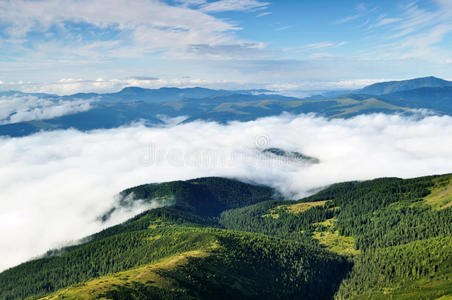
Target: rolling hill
x=153 y=107
x=383 y=238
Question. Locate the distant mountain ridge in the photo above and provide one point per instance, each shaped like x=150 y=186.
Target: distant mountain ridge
x=135 y=104
x=165 y=94
x=403 y=85
x=134 y=93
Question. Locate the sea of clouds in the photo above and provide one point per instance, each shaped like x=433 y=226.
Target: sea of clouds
x=55 y=185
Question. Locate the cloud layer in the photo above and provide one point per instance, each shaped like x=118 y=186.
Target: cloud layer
x=20 y=108
x=54 y=185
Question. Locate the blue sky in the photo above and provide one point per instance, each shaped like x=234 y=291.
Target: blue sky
x=68 y=46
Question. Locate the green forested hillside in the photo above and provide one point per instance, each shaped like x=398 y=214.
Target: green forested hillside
x=386 y=238
x=228 y=264
x=203 y=196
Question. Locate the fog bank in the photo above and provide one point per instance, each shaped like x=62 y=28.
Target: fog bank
x=55 y=185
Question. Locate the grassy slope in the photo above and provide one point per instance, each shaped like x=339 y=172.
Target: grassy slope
x=146 y=275
x=441 y=193
x=369 y=104
x=229 y=264
x=116 y=253
x=121 y=264
x=292 y=208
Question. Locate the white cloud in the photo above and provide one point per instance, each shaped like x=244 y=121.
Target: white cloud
x=316 y=46
x=356 y=84
x=386 y=21
x=421 y=45
x=40 y=15
x=361 y=9
x=263 y=14
x=234 y=5
x=348 y=19
x=417 y=32
x=319 y=45
x=445 y=5
x=225 y=5
x=54 y=185
x=308 y=88
x=20 y=108
x=282 y=28
x=186 y=3
x=142 y=26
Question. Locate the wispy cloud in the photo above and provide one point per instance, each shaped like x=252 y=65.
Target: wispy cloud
x=282 y=28
x=263 y=14
x=316 y=46
x=386 y=21
x=349 y=18
x=138 y=27
x=234 y=5
x=26 y=15
x=361 y=10
x=416 y=32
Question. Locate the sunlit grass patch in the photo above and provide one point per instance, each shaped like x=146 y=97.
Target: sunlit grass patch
x=332 y=240
x=295 y=209
x=441 y=193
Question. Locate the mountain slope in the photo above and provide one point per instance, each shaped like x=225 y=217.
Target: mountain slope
x=434 y=98
x=203 y=196
x=387 y=237
x=229 y=264
x=234 y=265
x=417 y=270
x=403 y=85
